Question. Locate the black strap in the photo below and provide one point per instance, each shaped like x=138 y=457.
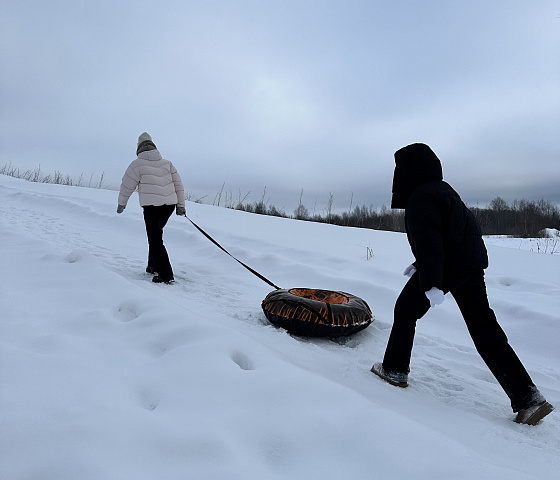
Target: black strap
x=264 y=279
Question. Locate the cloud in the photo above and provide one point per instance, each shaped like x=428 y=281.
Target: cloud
x=287 y=95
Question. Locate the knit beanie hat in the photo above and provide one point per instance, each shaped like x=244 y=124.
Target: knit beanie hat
x=144 y=137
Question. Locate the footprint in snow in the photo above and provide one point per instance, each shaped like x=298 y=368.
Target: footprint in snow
x=126 y=312
x=148 y=400
x=243 y=361
x=75 y=256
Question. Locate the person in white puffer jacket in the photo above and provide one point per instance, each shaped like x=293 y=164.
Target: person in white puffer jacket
x=160 y=191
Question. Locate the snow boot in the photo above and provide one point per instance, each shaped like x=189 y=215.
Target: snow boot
x=396 y=379
x=534 y=414
x=159 y=279
x=150 y=269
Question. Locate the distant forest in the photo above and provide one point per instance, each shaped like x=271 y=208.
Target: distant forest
x=521 y=218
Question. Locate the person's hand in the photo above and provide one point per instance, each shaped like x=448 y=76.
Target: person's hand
x=120 y=208
x=435 y=296
x=409 y=271
x=181 y=211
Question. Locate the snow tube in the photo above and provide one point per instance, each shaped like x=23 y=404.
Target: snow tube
x=316 y=313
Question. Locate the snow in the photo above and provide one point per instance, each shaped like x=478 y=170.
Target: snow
x=104 y=375
x=549 y=244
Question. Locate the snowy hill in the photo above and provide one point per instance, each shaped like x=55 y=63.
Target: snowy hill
x=106 y=376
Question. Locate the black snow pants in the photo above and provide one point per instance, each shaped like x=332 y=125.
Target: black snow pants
x=155 y=219
x=469 y=291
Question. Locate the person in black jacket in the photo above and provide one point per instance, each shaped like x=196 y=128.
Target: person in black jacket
x=450 y=256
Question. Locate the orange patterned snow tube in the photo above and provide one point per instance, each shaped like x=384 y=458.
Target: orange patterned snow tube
x=316 y=313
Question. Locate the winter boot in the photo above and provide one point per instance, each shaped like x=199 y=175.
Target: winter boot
x=396 y=379
x=150 y=269
x=534 y=414
x=159 y=279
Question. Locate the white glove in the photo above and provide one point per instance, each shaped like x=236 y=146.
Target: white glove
x=435 y=296
x=409 y=271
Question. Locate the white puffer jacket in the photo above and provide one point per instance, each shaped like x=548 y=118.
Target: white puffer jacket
x=156 y=179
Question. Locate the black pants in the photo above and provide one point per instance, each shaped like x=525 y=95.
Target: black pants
x=155 y=219
x=469 y=291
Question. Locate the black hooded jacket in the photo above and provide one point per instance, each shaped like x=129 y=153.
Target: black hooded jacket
x=445 y=238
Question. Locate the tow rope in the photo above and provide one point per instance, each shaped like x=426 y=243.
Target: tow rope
x=254 y=272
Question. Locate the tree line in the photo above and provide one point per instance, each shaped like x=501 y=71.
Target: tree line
x=521 y=218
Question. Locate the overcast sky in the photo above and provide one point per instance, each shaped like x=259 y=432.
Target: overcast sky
x=287 y=95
